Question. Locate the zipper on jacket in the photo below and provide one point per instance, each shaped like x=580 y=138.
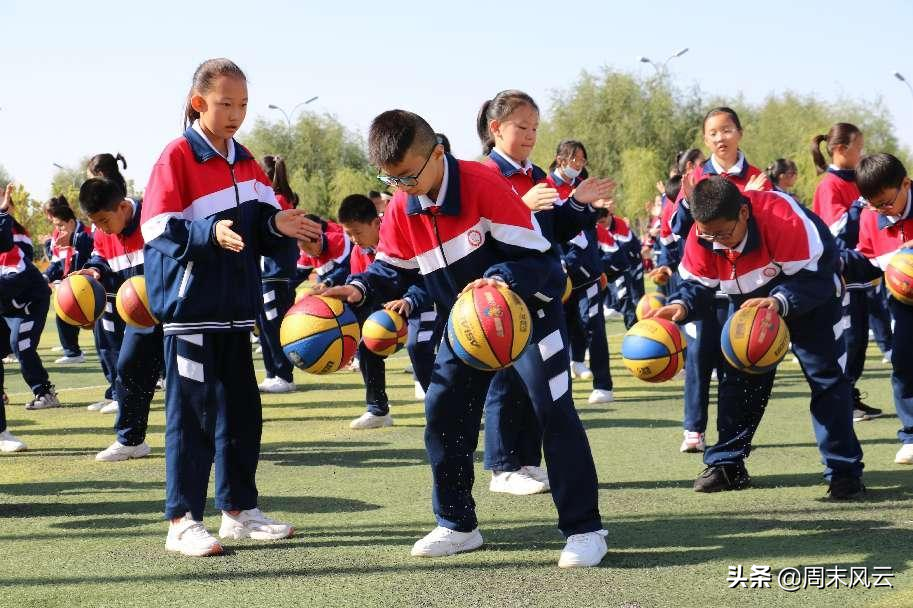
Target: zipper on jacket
x=237 y=224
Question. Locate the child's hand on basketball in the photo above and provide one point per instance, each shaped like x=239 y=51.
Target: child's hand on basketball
x=318 y=289
x=670 y=312
x=540 y=196
x=401 y=307
x=228 y=238
x=346 y=293
x=593 y=189
x=294 y=223
x=482 y=283
x=6 y=203
x=771 y=303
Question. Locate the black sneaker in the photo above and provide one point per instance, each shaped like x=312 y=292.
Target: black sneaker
x=862 y=411
x=722 y=477
x=845 y=488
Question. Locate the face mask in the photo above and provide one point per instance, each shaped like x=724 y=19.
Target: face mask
x=570 y=172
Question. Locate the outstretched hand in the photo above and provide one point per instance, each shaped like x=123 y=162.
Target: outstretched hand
x=6 y=203
x=670 y=312
x=346 y=293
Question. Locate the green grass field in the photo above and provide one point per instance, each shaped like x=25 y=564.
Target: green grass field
x=74 y=532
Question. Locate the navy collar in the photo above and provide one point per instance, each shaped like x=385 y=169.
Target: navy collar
x=451 y=204
x=885 y=221
x=507 y=168
x=709 y=169
x=847 y=175
x=133 y=224
x=204 y=152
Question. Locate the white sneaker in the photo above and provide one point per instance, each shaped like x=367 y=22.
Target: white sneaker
x=370 y=421
x=584 y=550
x=714 y=376
x=611 y=312
x=43 y=402
x=518 y=483
x=276 y=385
x=444 y=541
x=904 y=454
x=117 y=452
x=267 y=382
x=600 y=396
x=94 y=407
x=10 y=443
x=539 y=474
x=259 y=350
x=252 y=523
x=10 y=360
x=353 y=365
x=110 y=408
x=581 y=371
x=80 y=358
x=56 y=349
x=191 y=538
x=408 y=369
x=160 y=384
x=693 y=442
x=886 y=358
x=419 y=391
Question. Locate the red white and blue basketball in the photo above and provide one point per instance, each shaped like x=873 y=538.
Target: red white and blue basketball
x=653 y=350
x=755 y=340
x=489 y=327
x=898 y=276
x=79 y=300
x=132 y=303
x=649 y=301
x=319 y=334
x=384 y=332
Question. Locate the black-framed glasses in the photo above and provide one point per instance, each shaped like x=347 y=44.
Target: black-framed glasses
x=877 y=206
x=406 y=181
x=718 y=236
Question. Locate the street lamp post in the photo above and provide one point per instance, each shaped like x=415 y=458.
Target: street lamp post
x=900 y=77
x=288 y=115
x=661 y=68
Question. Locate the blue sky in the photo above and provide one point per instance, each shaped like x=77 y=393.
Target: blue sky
x=82 y=78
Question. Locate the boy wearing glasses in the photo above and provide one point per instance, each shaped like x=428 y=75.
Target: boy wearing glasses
x=458 y=225
x=885 y=227
x=762 y=249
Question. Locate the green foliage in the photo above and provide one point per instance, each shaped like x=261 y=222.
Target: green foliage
x=326 y=162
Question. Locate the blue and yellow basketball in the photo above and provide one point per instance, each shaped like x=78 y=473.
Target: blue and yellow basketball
x=649 y=301
x=79 y=300
x=898 y=276
x=133 y=303
x=384 y=332
x=489 y=327
x=319 y=334
x=653 y=350
x=754 y=340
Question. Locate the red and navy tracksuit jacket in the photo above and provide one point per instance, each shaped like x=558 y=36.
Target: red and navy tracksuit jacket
x=333 y=263
x=788 y=254
x=614 y=259
x=582 y=255
x=879 y=238
x=117 y=257
x=193 y=284
x=480 y=229
x=69 y=258
x=281 y=265
x=20 y=281
x=834 y=195
x=670 y=243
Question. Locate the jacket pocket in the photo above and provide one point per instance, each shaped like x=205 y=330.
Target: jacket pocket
x=185 y=280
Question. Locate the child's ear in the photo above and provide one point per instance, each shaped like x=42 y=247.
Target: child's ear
x=494 y=127
x=198 y=103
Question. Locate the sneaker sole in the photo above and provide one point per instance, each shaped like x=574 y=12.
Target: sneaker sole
x=691 y=449
x=470 y=545
x=45 y=407
x=566 y=565
x=241 y=533
x=21 y=448
x=214 y=550
x=544 y=490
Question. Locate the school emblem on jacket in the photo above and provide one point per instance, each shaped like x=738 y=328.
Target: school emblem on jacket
x=474 y=237
x=770 y=272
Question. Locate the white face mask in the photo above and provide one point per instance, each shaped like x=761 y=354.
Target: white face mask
x=570 y=172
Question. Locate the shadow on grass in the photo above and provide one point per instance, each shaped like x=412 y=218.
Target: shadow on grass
x=296 y=455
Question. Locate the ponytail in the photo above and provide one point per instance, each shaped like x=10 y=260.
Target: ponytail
x=840 y=134
x=817 y=156
x=105 y=165
x=488 y=142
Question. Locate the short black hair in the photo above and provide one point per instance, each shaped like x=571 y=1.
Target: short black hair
x=444 y=141
x=716 y=198
x=357 y=208
x=394 y=133
x=877 y=172
x=59 y=208
x=673 y=186
x=100 y=194
x=373 y=194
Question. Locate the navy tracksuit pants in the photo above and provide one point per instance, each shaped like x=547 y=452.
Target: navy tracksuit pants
x=109 y=333
x=902 y=362
x=373 y=370
x=856 y=332
x=425 y=330
x=69 y=338
x=4 y=351
x=880 y=317
x=278 y=297
x=212 y=415
x=586 y=329
x=139 y=366
x=513 y=437
x=629 y=289
x=453 y=412
x=25 y=327
x=702 y=356
x=816 y=339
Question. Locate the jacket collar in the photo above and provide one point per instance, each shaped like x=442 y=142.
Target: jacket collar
x=886 y=221
x=509 y=168
x=133 y=224
x=847 y=175
x=739 y=169
x=204 y=152
x=451 y=204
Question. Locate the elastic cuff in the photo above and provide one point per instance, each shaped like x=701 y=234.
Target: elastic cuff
x=784 y=304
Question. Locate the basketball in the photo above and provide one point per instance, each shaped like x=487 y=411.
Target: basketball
x=133 y=303
x=79 y=300
x=649 y=301
x=898 y=276
x=603 y=281
x=489 y=327
x=653 y=350
x=319 y=334
x=754 y=340
x=568 y=287
x=384 y=332
x=660 y=278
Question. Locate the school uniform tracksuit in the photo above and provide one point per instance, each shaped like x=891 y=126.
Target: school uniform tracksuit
x=628 y=288
x=788 y=254
x=138 y=363
x=207 y=298
x=478 y=227
x=24 y=301
x=65 y=260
